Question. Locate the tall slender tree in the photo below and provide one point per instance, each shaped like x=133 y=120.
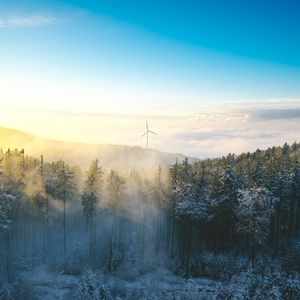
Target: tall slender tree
x=91 y=195
x=256 y=206
x=115 y=191
x=61 y=184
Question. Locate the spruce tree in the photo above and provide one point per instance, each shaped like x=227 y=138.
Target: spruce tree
x=91 y=195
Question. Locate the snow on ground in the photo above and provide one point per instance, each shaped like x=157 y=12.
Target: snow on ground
x=158 y=284
x=46 y=285
x=163 y=284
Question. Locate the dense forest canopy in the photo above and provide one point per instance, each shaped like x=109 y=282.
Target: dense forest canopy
x=244 y=205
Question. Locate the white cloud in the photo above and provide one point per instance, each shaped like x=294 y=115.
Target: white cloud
x=197 y=130
x=29 y=21
x=221 y=116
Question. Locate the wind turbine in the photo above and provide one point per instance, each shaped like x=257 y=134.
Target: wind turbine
x=147 y=133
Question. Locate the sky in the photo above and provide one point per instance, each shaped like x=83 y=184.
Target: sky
x=211 y=77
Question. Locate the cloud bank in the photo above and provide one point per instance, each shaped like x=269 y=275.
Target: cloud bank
x=201 y=131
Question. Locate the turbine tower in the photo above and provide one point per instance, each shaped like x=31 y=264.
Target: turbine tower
x=147 y=133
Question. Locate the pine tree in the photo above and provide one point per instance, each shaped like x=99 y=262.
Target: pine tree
x=115 y=185
x=90 y=197
x=8 y=201
x=61 y=185
x=254 y=211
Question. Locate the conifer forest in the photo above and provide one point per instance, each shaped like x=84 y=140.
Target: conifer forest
x=222 y=228
x=149 y=150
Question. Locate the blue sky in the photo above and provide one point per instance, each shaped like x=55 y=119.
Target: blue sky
x=147 y=58
x=212 y=50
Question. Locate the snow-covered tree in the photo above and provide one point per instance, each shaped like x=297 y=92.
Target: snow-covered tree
x=61 y=185
x=115 y=193
x=7 y=201
x=91 y=196
x=254 y=212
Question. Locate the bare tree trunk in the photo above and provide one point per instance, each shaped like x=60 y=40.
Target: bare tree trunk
x=64 y=221
x=110 y=254
x=91 y=235
x=188 y=246
x=65 y=233
x=8 y=257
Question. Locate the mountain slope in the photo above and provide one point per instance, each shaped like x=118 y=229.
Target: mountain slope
x=110 y=156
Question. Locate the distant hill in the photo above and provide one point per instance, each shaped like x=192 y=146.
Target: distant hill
x=110 y=156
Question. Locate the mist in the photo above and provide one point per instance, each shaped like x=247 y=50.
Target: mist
x=123 y=158
x=72 y=233
x=48 y=228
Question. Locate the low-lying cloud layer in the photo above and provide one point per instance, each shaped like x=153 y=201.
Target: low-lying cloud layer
x=276 y=114
x=194 y=130
x=228 y=134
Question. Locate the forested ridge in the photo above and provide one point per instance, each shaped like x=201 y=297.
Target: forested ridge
x=216 y=218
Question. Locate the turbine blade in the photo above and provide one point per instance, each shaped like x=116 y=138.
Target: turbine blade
x=147 y=125
x=153 y=132
x=144 y=134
